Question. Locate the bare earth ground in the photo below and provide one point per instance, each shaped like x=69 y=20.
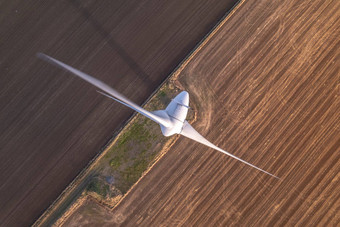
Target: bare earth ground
x=267 y=89
x=53 y=124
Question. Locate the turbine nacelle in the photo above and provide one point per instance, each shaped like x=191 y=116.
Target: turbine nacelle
x=176 y=112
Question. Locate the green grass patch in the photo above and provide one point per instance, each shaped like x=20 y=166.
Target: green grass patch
x=98 y=186
x=116 y=162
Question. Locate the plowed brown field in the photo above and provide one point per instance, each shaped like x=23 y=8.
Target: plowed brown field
x=265 y=88
x=52 y=125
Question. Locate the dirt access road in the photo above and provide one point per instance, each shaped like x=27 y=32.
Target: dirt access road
x=266 y=88
x=53 y=124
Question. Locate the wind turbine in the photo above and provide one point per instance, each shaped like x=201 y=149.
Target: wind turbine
x=172 y=119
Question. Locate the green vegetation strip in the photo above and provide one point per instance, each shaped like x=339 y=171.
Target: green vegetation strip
x=133 y=152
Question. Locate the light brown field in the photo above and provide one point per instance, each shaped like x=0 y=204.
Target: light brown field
x=265 y=88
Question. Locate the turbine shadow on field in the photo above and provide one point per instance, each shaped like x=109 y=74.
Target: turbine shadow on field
x=110 y=40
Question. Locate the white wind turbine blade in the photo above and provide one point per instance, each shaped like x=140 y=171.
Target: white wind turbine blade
x=101 y=85
x=191 y=133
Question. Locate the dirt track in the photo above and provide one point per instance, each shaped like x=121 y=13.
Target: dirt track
x=53 y=124
x=266 y=88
